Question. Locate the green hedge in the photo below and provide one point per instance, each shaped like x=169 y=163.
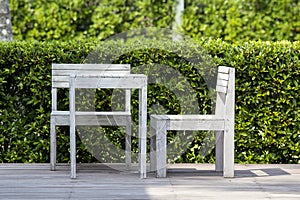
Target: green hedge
x=231 y=20
x=267 y=100
x=243 y=20
x=26 y=96
x=77 y=19
x=267 y=96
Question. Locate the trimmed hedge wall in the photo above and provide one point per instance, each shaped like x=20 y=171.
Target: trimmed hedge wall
x=25 y=90
x=267 y=98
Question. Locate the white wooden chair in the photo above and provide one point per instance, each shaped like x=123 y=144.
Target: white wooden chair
x=222 y=122
x=60 y=79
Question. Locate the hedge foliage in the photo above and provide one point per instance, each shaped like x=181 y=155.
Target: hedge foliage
x=243 y=20
x=231 y=20
x=267 y=97
x=26 y=96
x=77 y=19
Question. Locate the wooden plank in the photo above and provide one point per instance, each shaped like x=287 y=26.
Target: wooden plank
x=116 y=120
x=72 y=127
x=229 y=128
x=205 y=125
x=128 y=143
x=223 y=69
x=91 y=113
x=53 y=131
x=104 y=120
x=187 y=117
x=54 y=99
x=89 y=72
x=223 y=76
x=60 y=85
x=143 y=128
x=52 y=144
x=61 y=78
x=221 y=89
x=111 y=67
x=161 y=148
x=127 y=100
x=219 y=137
x=154 y=118
x=223 y=83
x=132 y=81
x=185 y=181
x=153 y=148
x=64 y=77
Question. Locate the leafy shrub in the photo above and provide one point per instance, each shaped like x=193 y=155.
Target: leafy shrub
x=243 y=20
x=267 y=100
x=25 y=88
x=231 y=20
x=65 y=20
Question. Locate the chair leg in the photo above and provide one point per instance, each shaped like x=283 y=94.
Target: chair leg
x=52 y=145
x=228 y=148
x=161 y=148
x=72 y=127
x=128 y=145
x=73 y=146
x=73 y=151
x=219 y=135
x=152 y=148
x=143 y=131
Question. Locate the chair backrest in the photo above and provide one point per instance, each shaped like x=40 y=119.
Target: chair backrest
x=61 y=75
x=225 y=91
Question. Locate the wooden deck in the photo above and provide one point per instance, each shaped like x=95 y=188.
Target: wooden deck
x=184 y=181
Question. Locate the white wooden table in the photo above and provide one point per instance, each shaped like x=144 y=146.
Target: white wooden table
x=130 y=81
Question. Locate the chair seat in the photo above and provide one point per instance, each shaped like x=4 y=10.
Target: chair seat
x=62 y=118
x=191 y=122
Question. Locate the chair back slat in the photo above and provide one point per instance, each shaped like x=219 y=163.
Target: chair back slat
x=221 y=89
x=223 y=69
x=225 y=89
x=222 y=79
x=62 y=72
x=87 y=72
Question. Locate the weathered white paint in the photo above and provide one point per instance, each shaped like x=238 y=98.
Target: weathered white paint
x=222 y=122
x=92 y=76
x=136 y=81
